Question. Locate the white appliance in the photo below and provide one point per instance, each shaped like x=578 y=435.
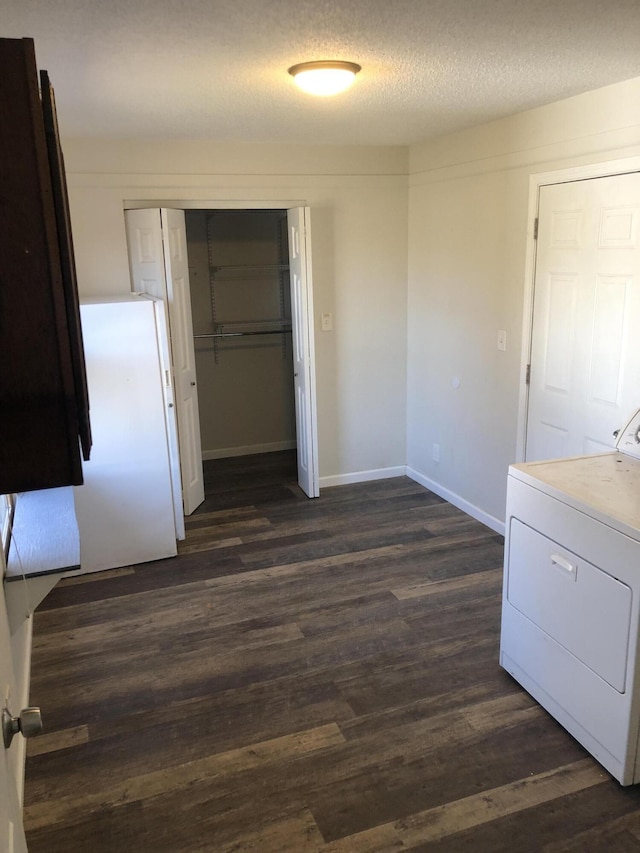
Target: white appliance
x=571 y=596
x=125 y=509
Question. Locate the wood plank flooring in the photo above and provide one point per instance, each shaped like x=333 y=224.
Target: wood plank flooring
x=305 y=676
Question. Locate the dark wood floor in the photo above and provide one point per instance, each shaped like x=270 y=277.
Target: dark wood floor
x=305 y=676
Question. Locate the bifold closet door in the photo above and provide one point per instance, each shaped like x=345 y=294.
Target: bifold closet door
x=157 y=241
x=303 y=350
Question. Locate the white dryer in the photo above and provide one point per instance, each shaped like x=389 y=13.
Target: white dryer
x=571 y=596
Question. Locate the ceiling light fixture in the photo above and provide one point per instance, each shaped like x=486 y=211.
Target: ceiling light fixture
x=325 y=76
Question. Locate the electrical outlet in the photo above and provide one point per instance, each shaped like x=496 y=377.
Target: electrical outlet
x=327 y=322
x=436 y=452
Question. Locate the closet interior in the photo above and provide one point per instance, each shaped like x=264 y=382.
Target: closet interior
x=241 y=308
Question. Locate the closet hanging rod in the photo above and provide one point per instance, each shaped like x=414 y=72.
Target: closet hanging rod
x=251 y=268
x=243 y=334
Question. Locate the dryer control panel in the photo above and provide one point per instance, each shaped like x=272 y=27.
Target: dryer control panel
x=628 y=440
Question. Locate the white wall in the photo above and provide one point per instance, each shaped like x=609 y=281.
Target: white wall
x=465 y=237
x=467 y=251
x=358 y=199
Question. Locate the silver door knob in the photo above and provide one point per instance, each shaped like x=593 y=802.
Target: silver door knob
x=28 y=722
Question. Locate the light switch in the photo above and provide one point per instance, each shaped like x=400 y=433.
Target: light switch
x=502 y=340
x=327 y=322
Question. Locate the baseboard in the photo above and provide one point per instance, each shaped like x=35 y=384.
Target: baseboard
x=456 y=500
x=248 y=450
x=362 y=476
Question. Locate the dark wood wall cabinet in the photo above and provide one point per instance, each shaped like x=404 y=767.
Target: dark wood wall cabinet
x=44 y=405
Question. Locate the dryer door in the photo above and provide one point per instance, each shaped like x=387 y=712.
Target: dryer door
x=582 y=608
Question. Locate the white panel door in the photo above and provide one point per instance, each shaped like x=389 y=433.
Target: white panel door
x=12 y=838
x=159 y=267
x=303 y=349
x=183 y=354
x=146 y=265
x=585 y=349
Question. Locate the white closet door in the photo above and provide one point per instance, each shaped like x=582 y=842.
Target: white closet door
x=303 y=349
x=585 y=357
x=12 y=838
x=159 y=267
x=174 y=235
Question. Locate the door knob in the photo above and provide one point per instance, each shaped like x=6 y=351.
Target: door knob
x=193 y=383
x=28 y=722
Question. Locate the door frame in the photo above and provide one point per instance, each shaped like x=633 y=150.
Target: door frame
x=536 y=181
x=253 y=204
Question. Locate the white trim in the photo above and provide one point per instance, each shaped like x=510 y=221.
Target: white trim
x=362 y=476
x=208 y=204
x=588 y=171
x=452 y=498
x=312 y=426
x=559 y=176
x=248 y=449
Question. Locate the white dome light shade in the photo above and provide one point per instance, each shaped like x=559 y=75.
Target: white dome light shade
x=324 y=77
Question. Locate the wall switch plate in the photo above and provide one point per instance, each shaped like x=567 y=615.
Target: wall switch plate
x=436 y=452
x=502 y=340
x=327 y=322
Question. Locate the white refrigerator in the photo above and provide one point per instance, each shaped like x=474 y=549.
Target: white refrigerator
x=127 y=509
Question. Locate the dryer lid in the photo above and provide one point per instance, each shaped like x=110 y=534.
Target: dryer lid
x=628 y=440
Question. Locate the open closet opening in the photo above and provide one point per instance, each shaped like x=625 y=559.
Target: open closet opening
x=241 y=311
x=235 y=338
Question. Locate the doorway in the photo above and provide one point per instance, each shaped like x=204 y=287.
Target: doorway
x=241 y=310
x=225 y=263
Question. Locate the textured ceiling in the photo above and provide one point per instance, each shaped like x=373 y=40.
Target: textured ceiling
x=218 y=68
